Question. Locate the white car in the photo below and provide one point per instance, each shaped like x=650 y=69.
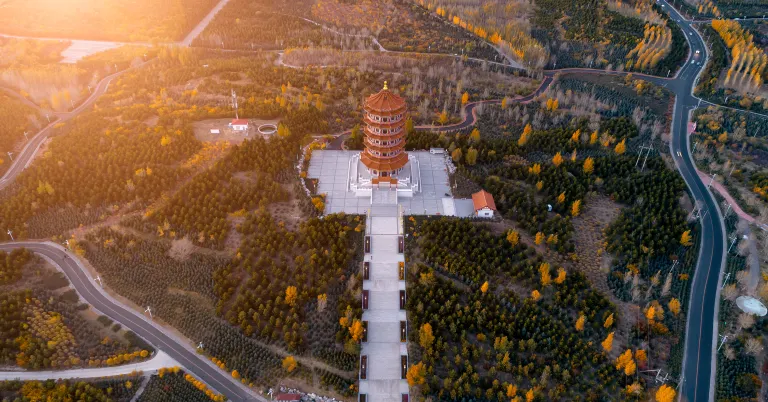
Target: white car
x=697 y=52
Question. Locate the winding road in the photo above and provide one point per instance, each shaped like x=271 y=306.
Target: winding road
x=25 y=157
x=698 y=367
x=181 y=351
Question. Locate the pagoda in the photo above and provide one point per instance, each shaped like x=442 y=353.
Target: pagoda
x=385 y=115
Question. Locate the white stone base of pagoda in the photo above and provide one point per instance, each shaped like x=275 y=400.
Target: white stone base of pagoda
x=362 y=182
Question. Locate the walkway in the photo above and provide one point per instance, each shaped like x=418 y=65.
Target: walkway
x=384 y=356
x=160 y=360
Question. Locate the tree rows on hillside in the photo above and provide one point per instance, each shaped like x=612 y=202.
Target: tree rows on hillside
x=117 y=389
x=173 y=385
x=292 y=276
x=528 y=325
x=16 y=118
x=43 y=331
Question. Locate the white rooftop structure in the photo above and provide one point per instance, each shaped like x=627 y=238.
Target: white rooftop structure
x=421 y=187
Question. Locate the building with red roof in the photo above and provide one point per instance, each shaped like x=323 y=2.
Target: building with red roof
x=484 y=205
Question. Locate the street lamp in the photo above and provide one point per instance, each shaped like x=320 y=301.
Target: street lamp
x=10 y=233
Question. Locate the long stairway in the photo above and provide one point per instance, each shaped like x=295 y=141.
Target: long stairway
x=384 y=351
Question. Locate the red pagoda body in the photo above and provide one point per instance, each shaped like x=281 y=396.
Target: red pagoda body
x=385 y=115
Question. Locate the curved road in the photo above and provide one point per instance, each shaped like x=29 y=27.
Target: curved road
x=179 y=350
x=22 y=160
x=699 y=354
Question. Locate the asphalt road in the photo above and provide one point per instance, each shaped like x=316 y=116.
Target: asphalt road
x=698 y=370
x=22 y=160
x=92 y=293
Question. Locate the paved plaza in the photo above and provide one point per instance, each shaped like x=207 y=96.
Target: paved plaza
x=332 y=168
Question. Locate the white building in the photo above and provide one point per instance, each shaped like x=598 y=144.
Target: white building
x=239 y=124
x=484 y=205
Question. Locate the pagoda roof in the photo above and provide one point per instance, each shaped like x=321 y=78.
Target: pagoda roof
x=385 y=101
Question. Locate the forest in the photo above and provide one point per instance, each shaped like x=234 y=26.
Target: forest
x=117 y=389
x=16 y=118
x=174 y=385
x=565 y=155
x=732 y=144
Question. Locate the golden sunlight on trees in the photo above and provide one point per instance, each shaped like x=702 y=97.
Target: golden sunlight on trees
x=748 y=61
x=656 y=44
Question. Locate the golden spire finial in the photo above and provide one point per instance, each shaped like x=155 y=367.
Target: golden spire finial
x=385 y=86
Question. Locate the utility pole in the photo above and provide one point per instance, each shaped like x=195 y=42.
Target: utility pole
x=89 y=89
x=724 y=338
x=726 y=211
x=10 y=233
x=10 y=155
x=25 y=135
x=733 y=241
x=731 y=172
x=726 y=280
x=200 y=345
x=48 y=117
x=712 y=179
x=234 y=103
x=98 y=278
x=148 y=310
x=694 y=147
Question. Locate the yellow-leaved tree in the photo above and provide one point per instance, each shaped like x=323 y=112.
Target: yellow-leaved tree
x=484 y=287
x=665 y=394
x=546 y=278
x=576 y=208
x=426 y=338
x=621 y=147
x=560 y=276
x=674 y=306
x=608 y=321
x=580 y=322
x=608 y=343
x=589 y=165
x=289 y=363
x=416 y=374
x=686 y=239
x=290 y=295
x=356 y=330
x=557 y=160
x=540 y=237
x=513 y=237
x=535 y=295
x=526 y=133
